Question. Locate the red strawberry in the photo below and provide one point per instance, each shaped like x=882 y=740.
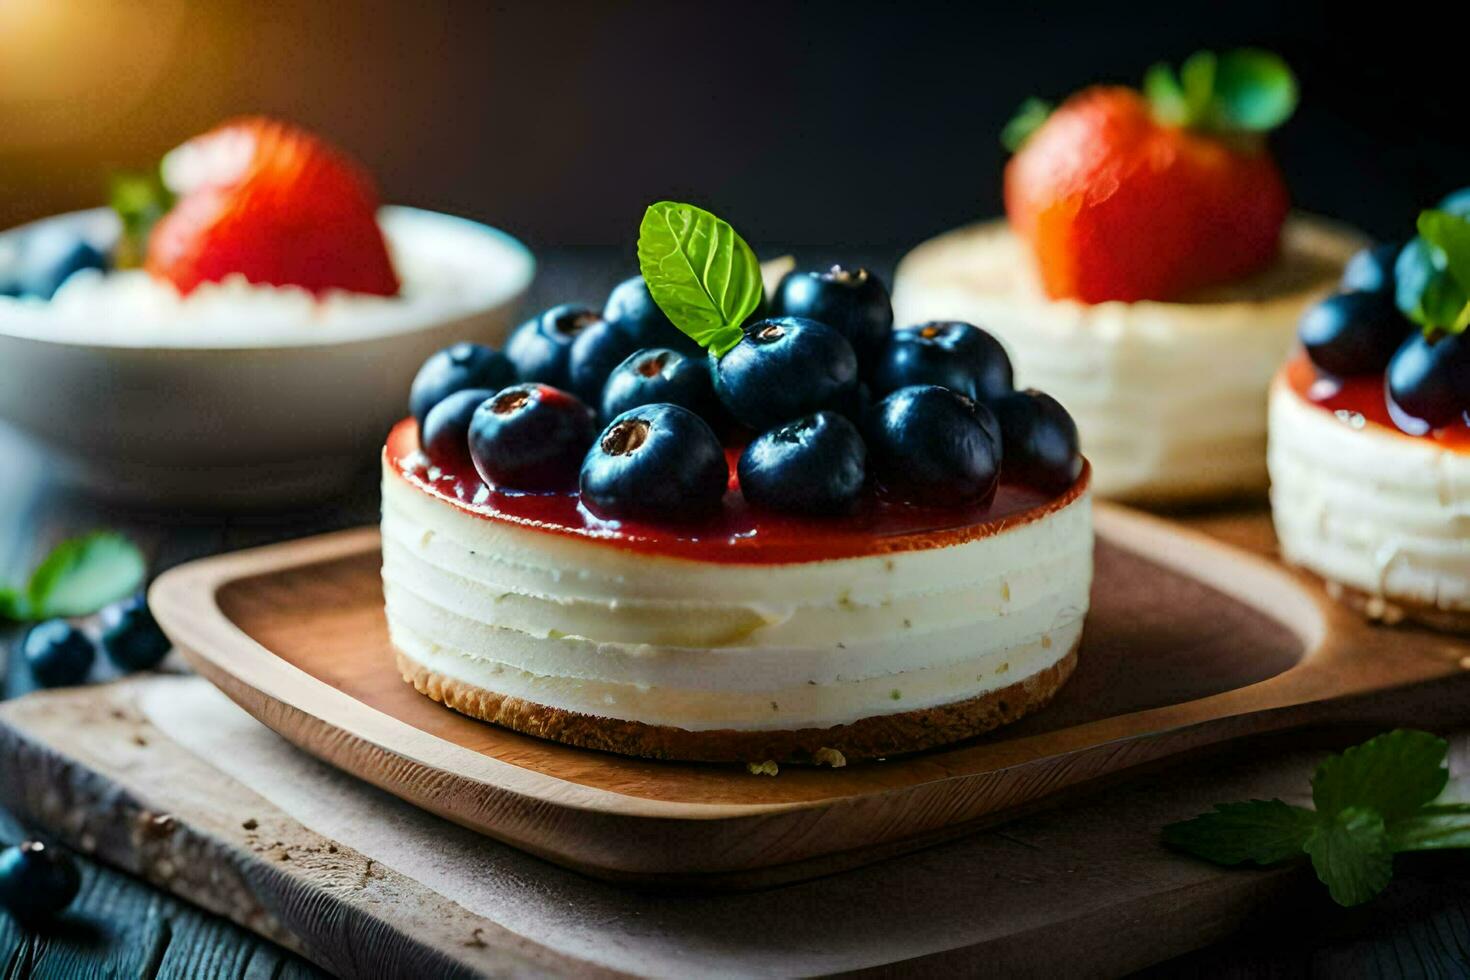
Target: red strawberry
x=1118 y=206
x=275 y=204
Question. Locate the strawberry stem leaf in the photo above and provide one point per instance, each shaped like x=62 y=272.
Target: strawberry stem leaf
x=1242 y=91
x=139 y=199
x=1027 y=120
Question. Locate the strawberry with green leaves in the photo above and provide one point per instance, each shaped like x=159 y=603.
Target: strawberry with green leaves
x=1129 y=196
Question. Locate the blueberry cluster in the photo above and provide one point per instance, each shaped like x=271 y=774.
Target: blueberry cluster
x=40 y=260
x=1363 y=330
x=60 y=654
x=826 y=396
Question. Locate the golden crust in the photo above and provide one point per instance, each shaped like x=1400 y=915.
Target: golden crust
x=869 y=738
x=1391 y=611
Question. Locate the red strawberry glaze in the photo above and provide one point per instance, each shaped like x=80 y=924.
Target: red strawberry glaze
x=1365 y=396
x=740 y=534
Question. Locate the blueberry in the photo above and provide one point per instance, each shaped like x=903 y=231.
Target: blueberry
x=632 y=308
x=531 y=437
x=1430 y=379
x=1456 y=202
x=953 y=355
x=541 y=348
x=1371 y=269
x=49 y=255
x=814 y=465
x=58 y=653
x=37 y=882
x=656 y=462
x=445 y=436
x=784 y=368
x=1038 y=440
x=595 y=352
x=1352 y=333
x=130 y=635
x=656 y=376
x=455 y=369
x=932 y=446
x=854 y=302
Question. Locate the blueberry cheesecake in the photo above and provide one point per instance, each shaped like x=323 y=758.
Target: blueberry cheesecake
x=776 y=529
x=1149 y=275
x=1370 y=430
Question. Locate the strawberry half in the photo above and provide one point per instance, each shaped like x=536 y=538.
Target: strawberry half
x=1126 y=198
x=273 y=203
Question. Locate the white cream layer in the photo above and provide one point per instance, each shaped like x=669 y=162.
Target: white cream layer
x=1383 y=513
x=593 y=628
x=1169 y=398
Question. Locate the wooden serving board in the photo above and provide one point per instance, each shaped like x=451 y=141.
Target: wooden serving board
x=1190 y=644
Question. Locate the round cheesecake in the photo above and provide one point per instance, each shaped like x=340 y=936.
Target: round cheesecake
x=1383 y=516
x=1169 y=398
x=748 y=637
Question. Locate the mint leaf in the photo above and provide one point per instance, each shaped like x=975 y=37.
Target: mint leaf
x=1257 y=832
x=139 y=200
x=1351 y=855
x=699 y=272
x=1446 y=305
x=13 y=605
x=1242 y=91
x=1394 y=774
x=1027 y=120
x=84 y=574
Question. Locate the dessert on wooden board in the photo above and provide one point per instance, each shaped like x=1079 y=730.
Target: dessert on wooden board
x=1150 y=275
x=709 y=524
x=1370 y=430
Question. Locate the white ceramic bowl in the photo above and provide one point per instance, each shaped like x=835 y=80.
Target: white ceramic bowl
x=244 y=396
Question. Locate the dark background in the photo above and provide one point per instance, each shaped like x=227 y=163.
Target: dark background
x=852 y=127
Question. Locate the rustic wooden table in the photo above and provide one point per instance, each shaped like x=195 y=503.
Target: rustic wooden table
x=122 y=927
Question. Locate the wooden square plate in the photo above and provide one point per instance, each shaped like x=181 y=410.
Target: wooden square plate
x=1190 y=643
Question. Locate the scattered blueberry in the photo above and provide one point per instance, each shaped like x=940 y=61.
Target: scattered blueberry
x=933 y=446
x=1371 y=270
x=1038 y=440
x=130 y=635
x=445 y=435
x=953 y=355
x=814 y=465
x=1430 y=379
x=455 y=369
x=36 y=882
x=595 y=352
x=1456 y=202
x=1352 y=333
x=49 y=255
x=58 y=653
x=541 y=348
x=632 y=308
x=784 y=368
x=660 y=375
x=657 y=462
x=854 y=302
x=531 y=437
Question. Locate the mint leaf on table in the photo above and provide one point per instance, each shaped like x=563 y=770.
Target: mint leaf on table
x=1256 y=832
x=1241 y=91
x=1394 y=774
x=702 y=274
x=1351 y=855
x=1027 y=120
x=82 y=575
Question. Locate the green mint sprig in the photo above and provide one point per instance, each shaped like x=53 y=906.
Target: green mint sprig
x=699 y=272
x=1390 y=795
x=1241 y=91
x=78 y=578
x=139 y=199
x=1442 y=303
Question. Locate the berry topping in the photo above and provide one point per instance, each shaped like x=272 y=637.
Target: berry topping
x=455 y=369
x=445 y=434
x=541 y=348
x=953 y=355
x=1038 y=440
x=660 y=462
x=1371 y=269
x=660 y=376
x=275 y=204
x=932 y=446
x=784 y=368
x=1352 y=333
x=131 y=637
x=631 y=307
x=594 y=354
x=36 y=882
x=45 y=258
x=1429 y=380
x=531 y=437
x=814 y=465
x=854 y=302
x=58 y=653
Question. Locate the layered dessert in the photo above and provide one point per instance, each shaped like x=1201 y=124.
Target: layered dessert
x=1370 y=436
x=1149 y=275
x=705 y=523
